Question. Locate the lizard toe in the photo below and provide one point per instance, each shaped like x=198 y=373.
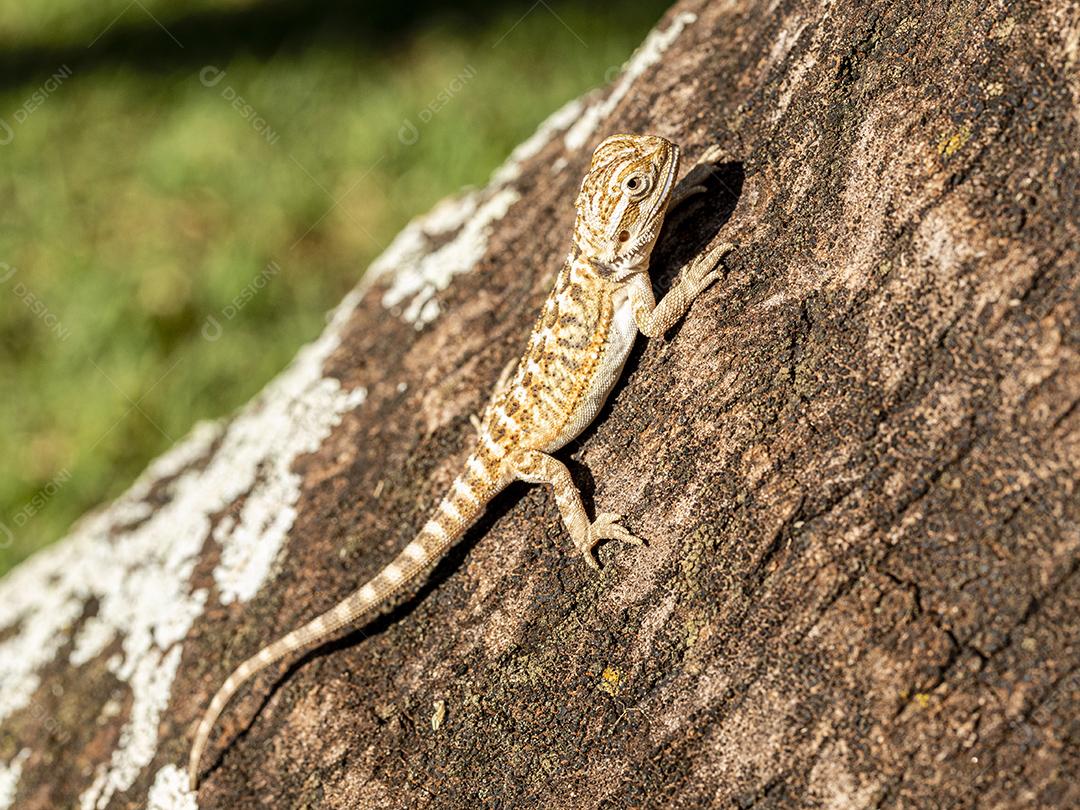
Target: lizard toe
x=714 y=153
x=586 y=549
x=606 y=527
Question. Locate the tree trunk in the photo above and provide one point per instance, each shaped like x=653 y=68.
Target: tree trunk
x=855 y=461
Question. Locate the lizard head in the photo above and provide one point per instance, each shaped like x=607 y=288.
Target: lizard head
x=622 y=201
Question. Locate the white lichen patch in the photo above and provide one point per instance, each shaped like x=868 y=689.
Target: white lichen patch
x=420 y=273
x=305 y=410
x=170 y=791
x=9 y=778
x=137 y=562
x=558 y=121
x=150 y=685
x=411 y=245
x=648 y=54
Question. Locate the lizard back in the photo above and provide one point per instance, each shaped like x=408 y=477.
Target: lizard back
x=569 y=348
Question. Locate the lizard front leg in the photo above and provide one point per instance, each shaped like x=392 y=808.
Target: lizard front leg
x=535 y=467
x=694 y=182
x=654 y=319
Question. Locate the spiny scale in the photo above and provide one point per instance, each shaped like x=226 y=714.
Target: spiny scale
x=602 y=297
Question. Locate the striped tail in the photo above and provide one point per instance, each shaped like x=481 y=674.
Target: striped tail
x=457 y=511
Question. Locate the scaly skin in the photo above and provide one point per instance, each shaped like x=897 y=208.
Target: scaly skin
x=603 y=296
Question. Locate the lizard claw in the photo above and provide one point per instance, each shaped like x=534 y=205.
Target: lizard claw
x=605 y=527
x=703 y=270
x=712 y=154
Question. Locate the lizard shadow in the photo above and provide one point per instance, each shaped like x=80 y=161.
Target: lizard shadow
x=686 y=233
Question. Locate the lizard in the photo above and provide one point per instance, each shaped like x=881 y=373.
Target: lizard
x=601 y=299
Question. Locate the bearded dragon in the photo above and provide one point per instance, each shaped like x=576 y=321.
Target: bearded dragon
x=602 y=298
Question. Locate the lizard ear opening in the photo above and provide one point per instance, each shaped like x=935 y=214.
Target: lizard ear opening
x=624 y=236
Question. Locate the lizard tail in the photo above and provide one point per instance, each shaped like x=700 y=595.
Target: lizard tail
x=457 y=511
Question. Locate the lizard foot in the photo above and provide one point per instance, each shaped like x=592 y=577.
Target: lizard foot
x=712 y=155
x=682 y=194
x=694 y=182
x=605 y=527
x=703 y=271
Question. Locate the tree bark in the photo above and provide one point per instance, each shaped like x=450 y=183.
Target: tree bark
x=855 y=461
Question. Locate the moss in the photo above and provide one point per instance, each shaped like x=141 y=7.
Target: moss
x=610 y=679
x=698 y=549
x=949 y=145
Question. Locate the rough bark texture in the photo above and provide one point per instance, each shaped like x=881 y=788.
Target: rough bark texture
x=856 y=461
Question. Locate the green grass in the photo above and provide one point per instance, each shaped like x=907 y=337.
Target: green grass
x=137 y=202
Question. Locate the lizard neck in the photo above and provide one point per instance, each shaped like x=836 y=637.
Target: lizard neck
x=613 y=272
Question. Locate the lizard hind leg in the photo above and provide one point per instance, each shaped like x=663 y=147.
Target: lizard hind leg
x=536 y=467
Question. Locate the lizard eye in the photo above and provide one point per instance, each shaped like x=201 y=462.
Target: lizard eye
x=637 y=185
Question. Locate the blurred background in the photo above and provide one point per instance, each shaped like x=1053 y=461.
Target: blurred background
x=188 y=187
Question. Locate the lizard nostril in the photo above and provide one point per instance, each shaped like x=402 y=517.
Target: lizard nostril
x=624 y=236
